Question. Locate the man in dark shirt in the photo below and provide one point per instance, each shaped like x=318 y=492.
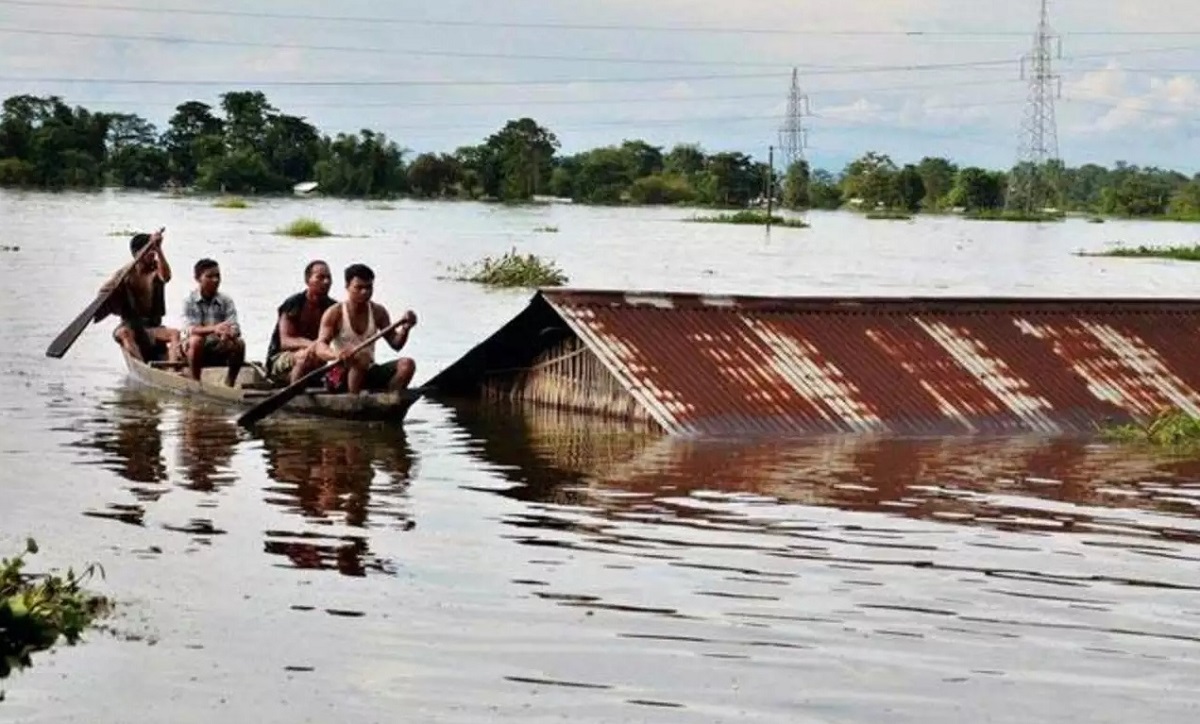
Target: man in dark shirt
x=141 y=303
x=290 y=355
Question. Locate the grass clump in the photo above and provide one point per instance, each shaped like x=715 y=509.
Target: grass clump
x=889 y=215
x=37 y=610
x=304 y=227
x=1170 y=428
x=1001 y=215
x=546 y=229
x=1179 y=253
x=512 y=270
x=231 y=202
x=751 y=218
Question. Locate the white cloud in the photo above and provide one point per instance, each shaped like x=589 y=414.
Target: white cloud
x=1123 y=103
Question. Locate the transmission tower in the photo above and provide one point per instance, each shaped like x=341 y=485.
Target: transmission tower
x=1029 y=187
x=793 y=138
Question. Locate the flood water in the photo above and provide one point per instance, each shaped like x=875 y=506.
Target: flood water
x=507 y=565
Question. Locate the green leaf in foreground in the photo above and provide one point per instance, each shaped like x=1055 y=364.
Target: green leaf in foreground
x=1170 y=428
x=36 y=610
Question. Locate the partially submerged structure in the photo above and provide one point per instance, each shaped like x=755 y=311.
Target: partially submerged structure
x=690 y=364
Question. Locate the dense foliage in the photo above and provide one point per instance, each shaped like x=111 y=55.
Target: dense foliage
x=246 y=145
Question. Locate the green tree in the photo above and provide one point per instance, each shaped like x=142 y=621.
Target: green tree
x=977 y=189
x=524 y=152
x=909 y=188
x=870 y=178
x=796 y=186
x=193 y=135
x=937 y=175
x=685 y=159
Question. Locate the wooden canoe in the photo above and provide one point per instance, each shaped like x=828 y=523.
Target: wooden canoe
x=253 y=386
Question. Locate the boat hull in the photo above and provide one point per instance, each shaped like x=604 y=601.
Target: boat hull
x=250 y=389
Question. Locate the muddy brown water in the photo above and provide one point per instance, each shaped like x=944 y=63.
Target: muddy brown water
x=495 y=565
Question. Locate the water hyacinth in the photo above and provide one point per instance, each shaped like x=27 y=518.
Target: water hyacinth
x=512 y=270
x=37 y=610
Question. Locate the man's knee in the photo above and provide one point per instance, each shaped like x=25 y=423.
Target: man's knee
x=406 y=366
x=195 y=346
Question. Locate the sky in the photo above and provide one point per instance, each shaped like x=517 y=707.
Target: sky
x=909 y=78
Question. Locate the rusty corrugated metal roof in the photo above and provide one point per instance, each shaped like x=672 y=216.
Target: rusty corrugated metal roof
x=713 y=365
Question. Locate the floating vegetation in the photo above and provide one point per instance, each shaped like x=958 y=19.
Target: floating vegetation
x=37 y=610
x=889 y=215
x=1095 y=220
x=304 y=227
x=381 y=207
x=1179 y=253
x=122 y=233
x=1170 y=428
x=750 y=218
x=546 y=229
x=1000 y=215
x=231 y=202
x=512 y=270
x=5 y=247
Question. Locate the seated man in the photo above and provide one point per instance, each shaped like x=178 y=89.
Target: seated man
x=141 y=303
x=291 y=353
x=345 y=325
x=211 y=335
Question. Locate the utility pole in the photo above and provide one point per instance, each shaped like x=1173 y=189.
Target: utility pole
x=793 y=138
x=770 y=182
x=1029 y=188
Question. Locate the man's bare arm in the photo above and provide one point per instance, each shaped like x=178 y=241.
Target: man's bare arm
x=330 y=322
x=289 y=339
x=396 y=338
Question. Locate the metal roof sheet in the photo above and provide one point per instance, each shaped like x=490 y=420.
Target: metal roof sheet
x=716 y=365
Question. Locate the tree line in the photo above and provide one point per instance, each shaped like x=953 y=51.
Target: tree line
x=244 y=144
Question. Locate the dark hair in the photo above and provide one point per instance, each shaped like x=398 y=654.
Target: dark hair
x=204 y=265
x=359 y=271
x=308 y=269
x=137 y=242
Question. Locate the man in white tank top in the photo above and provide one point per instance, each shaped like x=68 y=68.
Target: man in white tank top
x=345 y=325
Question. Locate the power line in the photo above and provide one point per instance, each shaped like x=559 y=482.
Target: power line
x=603 y=27
x=847 y=70
x=810 y=68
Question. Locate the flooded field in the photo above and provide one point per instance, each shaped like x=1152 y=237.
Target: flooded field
x=492 y=565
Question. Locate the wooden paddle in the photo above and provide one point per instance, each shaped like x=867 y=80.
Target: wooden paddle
x=281 y=398
x=67 y=337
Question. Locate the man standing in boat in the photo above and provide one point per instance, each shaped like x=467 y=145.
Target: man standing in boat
x=292 y=351
x=345 y=325
x=211 y=335
x=142 y=303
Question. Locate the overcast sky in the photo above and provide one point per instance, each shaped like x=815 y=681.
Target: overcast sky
x=437 y=75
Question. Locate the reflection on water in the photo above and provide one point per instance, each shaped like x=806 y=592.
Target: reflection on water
x=1028 y=484
x=991 y=519
x=323 y=474
x=330 y=472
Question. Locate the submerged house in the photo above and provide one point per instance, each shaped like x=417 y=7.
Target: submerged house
x=692 y=364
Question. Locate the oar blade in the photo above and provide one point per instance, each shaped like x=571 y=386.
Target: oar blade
x=67 y=337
